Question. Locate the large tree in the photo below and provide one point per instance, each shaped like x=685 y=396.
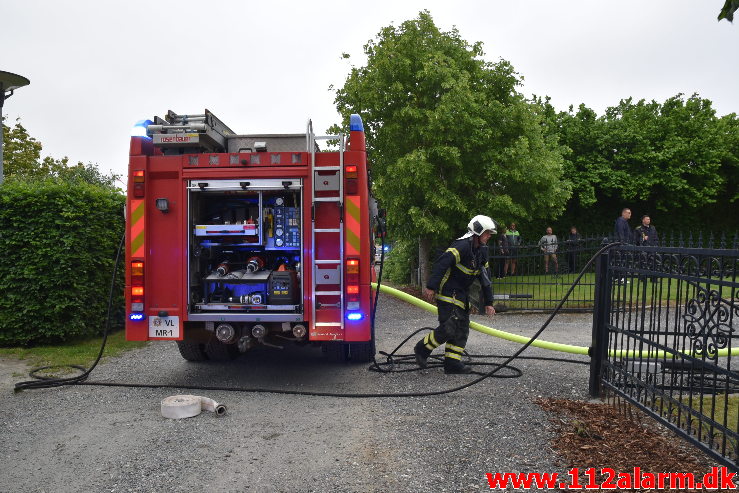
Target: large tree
x=450 y=136
x=675 y=160
x=22 y=153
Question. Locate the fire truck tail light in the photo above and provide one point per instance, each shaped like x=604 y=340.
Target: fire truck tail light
x=352 y=280
x=137 y=290
x=138 y=184
x=352 y=184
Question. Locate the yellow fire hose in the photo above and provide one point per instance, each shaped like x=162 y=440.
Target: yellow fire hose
x=552 y=346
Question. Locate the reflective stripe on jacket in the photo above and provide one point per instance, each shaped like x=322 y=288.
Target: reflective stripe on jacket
x=456 y=269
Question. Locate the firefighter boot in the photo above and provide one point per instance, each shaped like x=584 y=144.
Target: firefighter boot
x=455 y=367
x=453 y=360
x=423 y=349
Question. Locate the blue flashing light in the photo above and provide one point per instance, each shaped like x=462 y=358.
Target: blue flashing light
x=354 y=316
x=136 y=316
x=355 y=123
x=387 y=248
x=139 y=130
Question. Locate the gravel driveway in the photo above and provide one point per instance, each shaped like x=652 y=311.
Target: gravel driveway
x=113 y=439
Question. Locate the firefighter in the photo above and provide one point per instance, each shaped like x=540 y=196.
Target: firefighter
x=453 y=273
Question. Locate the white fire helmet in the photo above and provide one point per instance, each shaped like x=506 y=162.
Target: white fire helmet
x=478 y=225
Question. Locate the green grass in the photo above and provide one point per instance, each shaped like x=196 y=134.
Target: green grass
x=717 y=403
x=547 y=290
x=704 y=406
x=79 y=352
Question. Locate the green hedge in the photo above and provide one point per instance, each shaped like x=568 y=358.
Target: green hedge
x=398 y=262
x=58 y=242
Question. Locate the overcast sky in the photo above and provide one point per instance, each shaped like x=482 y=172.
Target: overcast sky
x=97 y=67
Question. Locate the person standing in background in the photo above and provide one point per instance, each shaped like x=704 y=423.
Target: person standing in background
x=573 y=244
x=622 y=233
x=646 y=234
x=548 y=245
x=502 y=244
x=514 y=241
x=621 y=229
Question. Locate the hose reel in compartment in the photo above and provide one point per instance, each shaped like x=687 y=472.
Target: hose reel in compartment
x=244 y=290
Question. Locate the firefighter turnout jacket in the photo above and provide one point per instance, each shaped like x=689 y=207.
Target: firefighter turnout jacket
x=455 y=271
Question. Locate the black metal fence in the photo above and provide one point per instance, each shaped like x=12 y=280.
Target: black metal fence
x=524 y=280
x=665 y=337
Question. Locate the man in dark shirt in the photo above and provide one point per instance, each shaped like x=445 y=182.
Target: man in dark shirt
x=502 y=252
x=621 y=230
x=646 y=234
x=573 y=244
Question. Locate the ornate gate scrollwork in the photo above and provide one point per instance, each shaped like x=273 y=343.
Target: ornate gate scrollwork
x=707 y=322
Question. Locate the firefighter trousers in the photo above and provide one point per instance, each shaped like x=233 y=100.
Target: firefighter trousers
x=453 y=329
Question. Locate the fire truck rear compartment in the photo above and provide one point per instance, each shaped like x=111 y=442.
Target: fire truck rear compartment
x=245 y=259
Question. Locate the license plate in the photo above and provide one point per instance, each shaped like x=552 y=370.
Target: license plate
x=168 y=327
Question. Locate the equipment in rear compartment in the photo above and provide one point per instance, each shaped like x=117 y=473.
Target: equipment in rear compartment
x=246 y=250
x=253 y=286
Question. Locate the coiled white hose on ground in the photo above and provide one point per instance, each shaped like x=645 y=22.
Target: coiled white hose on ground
x=187 y=406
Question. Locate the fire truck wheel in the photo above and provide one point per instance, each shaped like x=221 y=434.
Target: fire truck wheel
x=336 y=352
x=192 y=351
x=361 y=352
x=218 y=351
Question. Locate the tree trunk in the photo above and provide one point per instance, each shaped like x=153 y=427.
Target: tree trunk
x=424 y=252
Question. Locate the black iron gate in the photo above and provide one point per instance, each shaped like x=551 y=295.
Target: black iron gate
x=665 y=337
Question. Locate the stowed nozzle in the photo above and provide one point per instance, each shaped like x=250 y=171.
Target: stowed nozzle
x=254 y=264
x=223 y=268
x=252 y=299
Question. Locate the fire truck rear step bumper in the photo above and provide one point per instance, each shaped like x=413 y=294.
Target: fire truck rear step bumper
x=245 y=317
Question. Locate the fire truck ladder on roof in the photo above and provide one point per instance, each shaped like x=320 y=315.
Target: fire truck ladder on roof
x=330 y=182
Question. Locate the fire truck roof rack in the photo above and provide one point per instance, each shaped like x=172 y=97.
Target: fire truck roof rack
x=176 y=133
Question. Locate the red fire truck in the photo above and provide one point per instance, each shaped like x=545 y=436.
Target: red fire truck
x=238 y=240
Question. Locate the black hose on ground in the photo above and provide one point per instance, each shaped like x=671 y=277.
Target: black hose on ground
x=41 y=382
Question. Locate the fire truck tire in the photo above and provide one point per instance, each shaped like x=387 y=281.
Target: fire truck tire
x=218 y=351
x=336 y=352
x=192 y=351
x=361 y=352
